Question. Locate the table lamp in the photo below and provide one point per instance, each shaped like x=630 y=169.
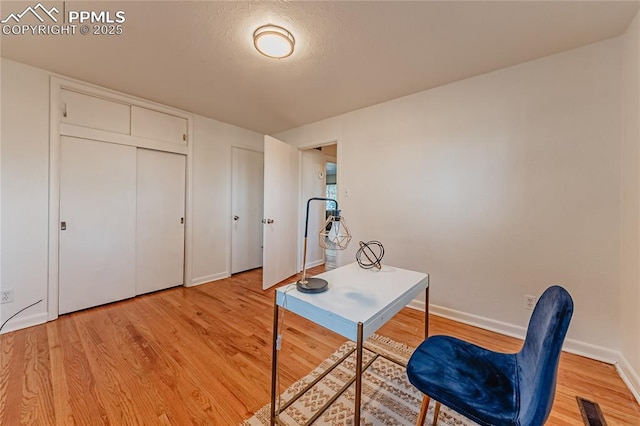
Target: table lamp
x=333 y=234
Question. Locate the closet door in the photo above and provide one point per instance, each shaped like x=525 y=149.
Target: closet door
x=159 y=126
x=97 y=229
x=247 y=185
x=96 y=113
x=160 y=220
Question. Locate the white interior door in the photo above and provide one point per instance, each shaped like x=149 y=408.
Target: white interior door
x=247 y=185
x=280 y=211
x=159 y=220
x=97 y=214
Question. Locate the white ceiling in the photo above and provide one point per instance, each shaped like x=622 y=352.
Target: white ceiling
x=199 y=56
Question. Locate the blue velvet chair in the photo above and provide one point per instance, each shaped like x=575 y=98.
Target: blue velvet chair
x=494 y=388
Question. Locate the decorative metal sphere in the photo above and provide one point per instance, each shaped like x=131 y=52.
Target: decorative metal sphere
x=373 y=252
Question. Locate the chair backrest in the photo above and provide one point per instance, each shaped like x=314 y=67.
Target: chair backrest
x=538 y=359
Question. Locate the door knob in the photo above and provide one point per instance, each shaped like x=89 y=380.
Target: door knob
x=269 y=220
x=236 y=217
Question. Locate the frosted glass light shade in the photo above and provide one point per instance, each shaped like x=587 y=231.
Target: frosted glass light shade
x=273 y=41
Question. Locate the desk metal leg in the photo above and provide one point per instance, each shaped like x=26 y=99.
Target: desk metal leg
x=274 y=362
x=359 y=343
x=426 y=310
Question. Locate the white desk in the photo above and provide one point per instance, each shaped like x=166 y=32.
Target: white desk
x=357 y=303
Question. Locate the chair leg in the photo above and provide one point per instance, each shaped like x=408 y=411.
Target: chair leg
x=423 y=410
x=436 y=412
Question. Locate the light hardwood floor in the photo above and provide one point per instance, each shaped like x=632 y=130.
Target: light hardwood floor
x=202 y=355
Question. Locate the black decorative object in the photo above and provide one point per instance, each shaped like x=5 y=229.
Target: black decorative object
x=373 y=252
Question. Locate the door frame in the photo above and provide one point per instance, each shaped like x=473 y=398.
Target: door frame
x=57 y=129
x=302 y=211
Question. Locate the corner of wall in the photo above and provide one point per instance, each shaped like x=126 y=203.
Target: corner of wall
x=629 y=376
x=628 y=364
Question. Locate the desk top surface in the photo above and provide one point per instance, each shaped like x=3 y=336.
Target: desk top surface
x=355 y=295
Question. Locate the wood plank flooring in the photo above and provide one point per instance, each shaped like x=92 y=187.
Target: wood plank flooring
x=202 y=356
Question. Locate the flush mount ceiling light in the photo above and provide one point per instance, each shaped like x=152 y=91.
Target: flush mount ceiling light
x=273 y=41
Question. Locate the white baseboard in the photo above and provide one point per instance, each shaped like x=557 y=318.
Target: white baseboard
x=599 y=353
x=20 y=322
x=570 y=345
x=577 y=347
x=629 y=376
x=208 y=278
x=477 y=321
x=416 y=304
x=315 y=263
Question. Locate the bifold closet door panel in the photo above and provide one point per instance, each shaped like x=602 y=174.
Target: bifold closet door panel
x=160 y=220
x=98 y=221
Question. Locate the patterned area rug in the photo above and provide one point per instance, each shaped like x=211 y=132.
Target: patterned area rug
x=387 y=396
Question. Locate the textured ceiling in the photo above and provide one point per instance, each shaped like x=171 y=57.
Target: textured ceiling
x=199 y=56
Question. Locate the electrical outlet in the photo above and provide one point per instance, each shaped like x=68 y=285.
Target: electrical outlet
x=6 y=296
x=529 y=302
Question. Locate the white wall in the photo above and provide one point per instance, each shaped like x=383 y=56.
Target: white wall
x=212 y=194
x=498 y=186
x=630 y=283
x=25 y=191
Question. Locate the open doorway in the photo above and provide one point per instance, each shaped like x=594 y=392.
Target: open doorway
x=319 y=168
x=331 y=191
